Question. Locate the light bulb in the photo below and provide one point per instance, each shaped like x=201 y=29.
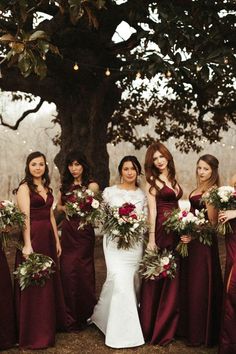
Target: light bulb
x=107 y=72
x=76 y=67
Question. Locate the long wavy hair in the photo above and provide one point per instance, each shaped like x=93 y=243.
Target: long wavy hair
x=214 y=180
x=152 y=173
x=135 y=163
x=67 y=178
x=29 y=179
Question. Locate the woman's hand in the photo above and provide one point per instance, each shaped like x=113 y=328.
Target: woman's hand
x=185 y=238
x=27 y=250
x=226 y=215
x=152 y=246
x=58 y=248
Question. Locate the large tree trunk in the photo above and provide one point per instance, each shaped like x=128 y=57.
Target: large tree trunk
x=84 y=116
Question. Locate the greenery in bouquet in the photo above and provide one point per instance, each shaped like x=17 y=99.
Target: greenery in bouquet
x=11 y=219
x=124 y=224
x=157 y=264
x=222 y=198
x=203 y=230
x=186 y=223
x=34 y=271
x=86 y=205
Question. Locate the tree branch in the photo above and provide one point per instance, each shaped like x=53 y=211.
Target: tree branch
x=24 y=115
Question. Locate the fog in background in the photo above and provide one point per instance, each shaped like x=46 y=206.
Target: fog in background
x=36 y=133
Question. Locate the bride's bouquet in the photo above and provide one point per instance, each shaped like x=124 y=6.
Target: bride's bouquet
x=124 y=224
x=158 y=264
x=86 y=205
x=222 y=198
x=11 y=219
x=186 y=223
x=35 y=270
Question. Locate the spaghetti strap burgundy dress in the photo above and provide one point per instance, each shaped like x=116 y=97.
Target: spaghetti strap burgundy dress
x=7 y=316
x=228 y=335
x=40 y=310
x=77 y=269
x=201 y=290
x=159 y=305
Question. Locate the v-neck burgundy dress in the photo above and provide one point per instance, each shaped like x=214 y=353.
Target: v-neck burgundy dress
x=77 y=268
x=159 y=305
x=40 y=310
x=228 y=326
x=201 y=290
x=7 y=317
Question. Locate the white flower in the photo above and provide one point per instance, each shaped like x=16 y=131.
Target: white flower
x=135 y=225
x=23 y=271
x=89 y=192
x=79 y=194
x=115 y=232
x=95 y=204
x=165 y=261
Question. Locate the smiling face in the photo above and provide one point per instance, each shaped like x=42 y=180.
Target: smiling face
x=37 y=167
x=128 y=172
x=204 y=171
x=76 y=169
x=160 y=161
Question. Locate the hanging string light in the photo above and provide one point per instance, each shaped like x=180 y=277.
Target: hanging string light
x=226 y=60
x=107 y=72
x=138 y=75
x=198 y=67
x=168 y=73
x=76 y=66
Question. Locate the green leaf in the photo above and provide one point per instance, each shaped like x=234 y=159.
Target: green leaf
x=38 y=35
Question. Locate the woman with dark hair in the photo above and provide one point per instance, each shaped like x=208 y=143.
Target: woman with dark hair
x=116 y=313
x=40 y=310
x=201 y=280
x=227 y=340
x=159 y=305
x=7 y=315
x=77 y=259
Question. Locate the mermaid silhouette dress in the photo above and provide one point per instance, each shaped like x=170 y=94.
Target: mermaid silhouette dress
x=77 y=268
x=7 y=316
x=201 y=290
x=116 y=313
x=159 y=305
x=40 y=310
x=227 y=335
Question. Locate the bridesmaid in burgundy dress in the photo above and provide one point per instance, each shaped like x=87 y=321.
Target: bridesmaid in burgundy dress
x=40 y=310
x=159 y=305
x=201 y=279
x=77 y=260
x=7 y=316
x=228 y=326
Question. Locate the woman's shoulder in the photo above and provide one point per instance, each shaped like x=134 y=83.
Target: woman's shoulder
x=23 y=188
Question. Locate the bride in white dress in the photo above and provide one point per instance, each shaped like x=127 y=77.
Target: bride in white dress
x=116 y=313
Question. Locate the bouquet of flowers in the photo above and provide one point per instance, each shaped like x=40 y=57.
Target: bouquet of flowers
x=11 y=219
x=222 y=198
x=86 y=205
x=158 y=264
x=124 y=224
x=186 y=223
x=35 y=270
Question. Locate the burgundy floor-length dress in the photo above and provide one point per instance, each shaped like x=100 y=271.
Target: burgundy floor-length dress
x=201 y=289
x=7 y=316
x=77 y=269
x=159 y=305
x=228 y=327
x=40 y=310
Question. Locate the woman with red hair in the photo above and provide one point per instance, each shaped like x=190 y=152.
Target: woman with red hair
x=159 y=306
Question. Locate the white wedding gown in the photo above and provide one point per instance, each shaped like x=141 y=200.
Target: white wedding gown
x=116 y=313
